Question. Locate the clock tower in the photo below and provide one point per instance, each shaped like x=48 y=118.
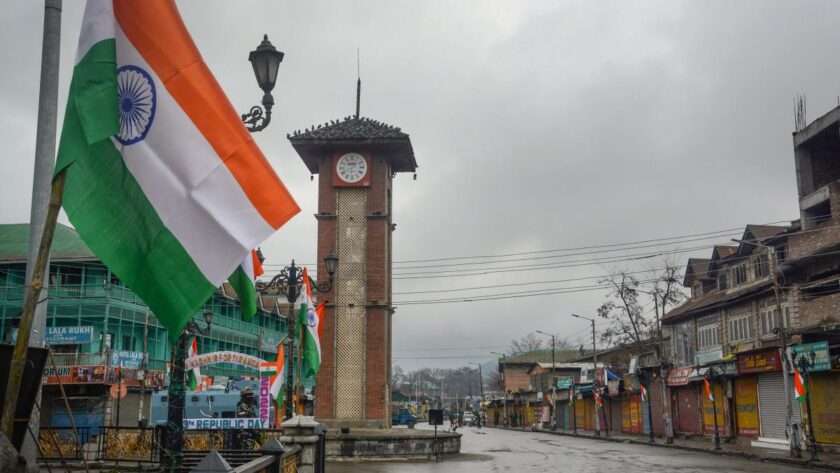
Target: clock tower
x=356 y=160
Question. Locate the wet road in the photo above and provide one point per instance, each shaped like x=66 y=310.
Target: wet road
x=493 y=450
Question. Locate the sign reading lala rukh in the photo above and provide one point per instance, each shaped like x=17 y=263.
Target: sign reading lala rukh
x=235 y=358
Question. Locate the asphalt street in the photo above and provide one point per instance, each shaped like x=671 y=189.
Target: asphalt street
x=495 y=450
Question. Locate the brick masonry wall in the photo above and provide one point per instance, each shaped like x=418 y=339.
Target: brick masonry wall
x=325 y=379
x=815 y=311
x=516 y=378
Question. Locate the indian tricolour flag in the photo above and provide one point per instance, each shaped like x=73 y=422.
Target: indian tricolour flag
x=800 y=386
x=310 y=317
x=194 y=375
x=276 y=372
x=242 y=282
x=163 y=182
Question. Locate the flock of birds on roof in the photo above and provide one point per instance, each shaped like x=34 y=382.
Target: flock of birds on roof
x=346 y=119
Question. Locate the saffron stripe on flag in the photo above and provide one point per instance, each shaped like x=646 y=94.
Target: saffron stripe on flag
x=160 y=36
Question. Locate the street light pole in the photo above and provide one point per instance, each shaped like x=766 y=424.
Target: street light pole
x=288 y=282
x=805 y=363
x=175 y=415
x=504 y=385
x=710 y=378
x=660 y=351
x=594 y=372
x=781 y=330
x=553 y=379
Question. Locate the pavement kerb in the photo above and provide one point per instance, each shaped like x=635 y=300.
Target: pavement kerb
x=745 y=455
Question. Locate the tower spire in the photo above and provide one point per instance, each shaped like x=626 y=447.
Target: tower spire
x=358 y=84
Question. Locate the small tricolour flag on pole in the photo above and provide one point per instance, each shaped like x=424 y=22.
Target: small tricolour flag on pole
x=709 y=393
x=800 y=386
x=310 y=317
x=242 y=280
x=279 y=378
x=597 y=398
x=161 y=179
x=644 y=393
x=194 y=375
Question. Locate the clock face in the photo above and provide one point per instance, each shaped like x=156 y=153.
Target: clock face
x=351 y=167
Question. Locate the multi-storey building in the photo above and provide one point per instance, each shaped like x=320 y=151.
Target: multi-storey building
x=778 y=287
x=95 y=324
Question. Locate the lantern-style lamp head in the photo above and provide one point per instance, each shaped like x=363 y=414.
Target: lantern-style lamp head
x=208 y=318
x=265 y=61
x=331 y=262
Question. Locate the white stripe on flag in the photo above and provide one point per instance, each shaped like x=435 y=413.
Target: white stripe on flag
x=208 y=196
x=97 y=25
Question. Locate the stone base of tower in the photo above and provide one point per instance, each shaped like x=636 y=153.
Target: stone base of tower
x=337 y=424
x=398 y=444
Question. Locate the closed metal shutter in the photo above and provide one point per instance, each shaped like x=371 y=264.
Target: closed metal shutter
x=771 y=405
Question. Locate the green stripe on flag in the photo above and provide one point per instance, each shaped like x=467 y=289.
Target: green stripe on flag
x=245 y=291
x=109 y=209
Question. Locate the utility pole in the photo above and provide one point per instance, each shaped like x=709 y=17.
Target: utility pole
x=666 y=409
x=553 y=379
x=39 y=226
x=594 y=372
x=504 y=385
x=144 y=371
x=781 y=330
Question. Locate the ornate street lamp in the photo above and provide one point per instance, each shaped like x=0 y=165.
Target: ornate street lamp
x=266 y=61
x=288 y=282
x=175 y=415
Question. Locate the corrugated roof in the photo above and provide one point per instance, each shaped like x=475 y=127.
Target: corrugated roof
x=67 y=245
x=697 y=268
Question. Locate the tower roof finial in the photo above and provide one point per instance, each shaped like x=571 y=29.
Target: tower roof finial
x=358 y=84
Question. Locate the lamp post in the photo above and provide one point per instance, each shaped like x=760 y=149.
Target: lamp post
x=666 y=409
x=175 y=418
x=710 y=378
x=504 y=385
x=265 y=60
x=552 y=377
x=805 y=362
x=594 y=371
x=288 y=282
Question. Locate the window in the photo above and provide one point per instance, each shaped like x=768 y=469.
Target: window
x=769 y=317
x=741 y=327
x=781 y=253
x=684 y=344
x=696 y=291
x=127 y=343
x=760 y=266
x=707 y=332
x=722 y=279
x=740 y=272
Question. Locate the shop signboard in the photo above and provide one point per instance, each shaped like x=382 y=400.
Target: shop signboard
x=760 y=362
x=65 y=335
x=679 y=376
x=817 y=352
x=127 y=359
x=564 y=383
x=709 y=355
x=91 y=374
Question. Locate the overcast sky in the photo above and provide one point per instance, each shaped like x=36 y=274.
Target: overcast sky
x=537 y=126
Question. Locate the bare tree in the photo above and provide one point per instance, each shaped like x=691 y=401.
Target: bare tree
x=397 y=377
x=525 y=344
x=628 y=323
x=667 y=284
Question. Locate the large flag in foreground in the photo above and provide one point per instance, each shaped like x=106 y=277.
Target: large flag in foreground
x=163 y=182
x=242 y=281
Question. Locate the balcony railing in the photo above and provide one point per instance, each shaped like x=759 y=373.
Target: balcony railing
x=80 y=359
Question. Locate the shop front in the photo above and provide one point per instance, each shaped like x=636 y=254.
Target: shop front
x=751 y=366
x=823 y=379
x=685 y=400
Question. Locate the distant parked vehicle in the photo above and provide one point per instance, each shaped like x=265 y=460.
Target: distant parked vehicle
x=403 y=417
x=469 y=418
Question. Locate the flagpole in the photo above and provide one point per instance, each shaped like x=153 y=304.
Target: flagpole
x=43 y=196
